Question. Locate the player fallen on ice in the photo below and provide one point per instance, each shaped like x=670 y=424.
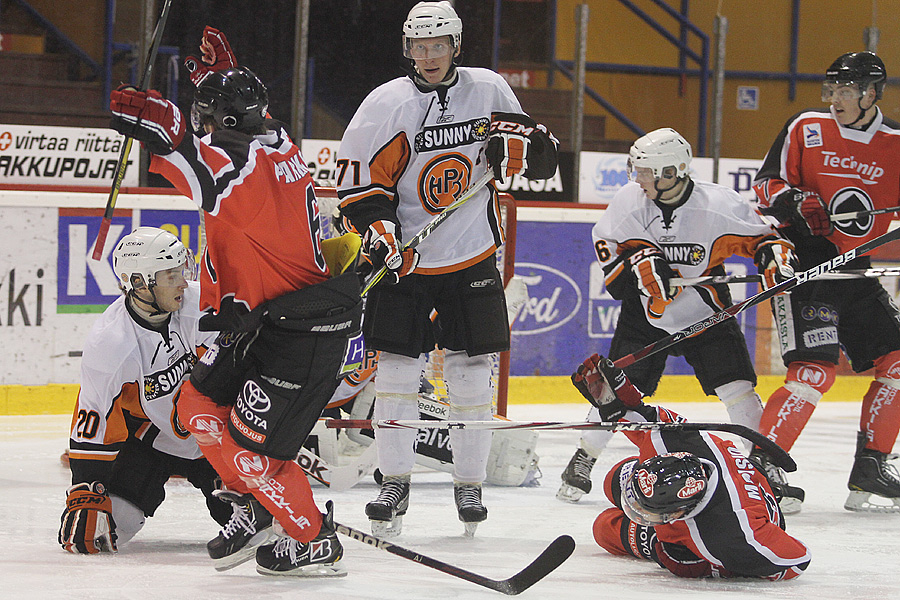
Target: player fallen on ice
x=665 y=224
x=125 y=441
x=284 y=313
x=690 y=500
x=826 y=162
x=413 y=147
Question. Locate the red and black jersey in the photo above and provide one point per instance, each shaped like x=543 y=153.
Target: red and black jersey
x=850 y=169
x=737 y=526
x=261 y=215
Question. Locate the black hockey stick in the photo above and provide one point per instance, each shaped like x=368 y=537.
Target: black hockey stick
x=863 y=213
x=553 y=555
x=840 y=274
x=777 y=454
x=731 y=311
x=122 y=165
x=433 y=224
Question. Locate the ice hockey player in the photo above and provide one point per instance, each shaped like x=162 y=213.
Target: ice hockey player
x=661 y=225
x=691 y=501
x=413 y=146
x=126 y=439
x=285 y=317
x=823 y=163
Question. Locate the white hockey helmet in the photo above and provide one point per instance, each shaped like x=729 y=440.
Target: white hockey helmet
x=146 y=251
x=433 y=19
x=659 y=149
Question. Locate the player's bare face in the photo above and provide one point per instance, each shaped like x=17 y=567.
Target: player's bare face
x=169 y=289
x=433 y=56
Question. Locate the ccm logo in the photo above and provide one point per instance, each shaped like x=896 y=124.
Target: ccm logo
x=507 y=127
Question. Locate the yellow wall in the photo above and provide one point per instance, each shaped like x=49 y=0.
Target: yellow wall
x=758 y=40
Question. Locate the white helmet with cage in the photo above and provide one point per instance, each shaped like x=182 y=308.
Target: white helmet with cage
x=659 y=149
x=430 y=20
x=143 y=253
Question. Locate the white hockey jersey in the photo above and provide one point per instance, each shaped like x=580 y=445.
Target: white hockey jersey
x=422 y=154
x=696 y=236
x=131 y=375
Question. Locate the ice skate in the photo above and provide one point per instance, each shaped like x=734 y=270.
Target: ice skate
x=576 y=477
x=873 y=475
x=790 y=498
x=386 y=511
x=468 y=505
x=250 y=526
x=291 y=558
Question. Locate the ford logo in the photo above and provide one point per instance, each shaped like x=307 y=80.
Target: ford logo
x=553 y=299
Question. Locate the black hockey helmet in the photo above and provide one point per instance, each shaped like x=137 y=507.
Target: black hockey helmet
x=860 y=68
x=232 y=99
x=664 y=488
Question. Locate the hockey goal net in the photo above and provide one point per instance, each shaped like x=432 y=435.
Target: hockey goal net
x=434 y=368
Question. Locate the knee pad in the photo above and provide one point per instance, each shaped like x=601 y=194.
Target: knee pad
x=398 y=374
x=887 y=369
x=468 y=378
x=809 y=380
x=128 y=517
x=201 y=416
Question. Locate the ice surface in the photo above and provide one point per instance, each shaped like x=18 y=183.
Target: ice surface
x=855 y=556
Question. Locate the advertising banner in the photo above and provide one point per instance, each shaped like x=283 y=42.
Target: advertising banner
x=47 y=155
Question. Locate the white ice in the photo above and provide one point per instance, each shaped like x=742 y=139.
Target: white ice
x=854 y=556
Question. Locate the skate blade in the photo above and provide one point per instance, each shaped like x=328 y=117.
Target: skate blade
x=244 y=554
x=569 y=493
x=862 y=502
x=790 y=506
x=387 y=529
x=470 y=529
x=317 y=570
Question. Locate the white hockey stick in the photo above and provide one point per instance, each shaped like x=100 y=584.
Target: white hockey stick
x=848 y=274
x=433 y=224
x=338 y=478
x=863 y=213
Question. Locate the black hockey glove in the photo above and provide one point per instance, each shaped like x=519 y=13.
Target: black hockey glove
x=148 y=118
x=776 y=263
x=681 y=561
x=382 y=245
x=606 y=386
x=803 y=209
x=87 y=525
x=508 y=141
x=653 y=273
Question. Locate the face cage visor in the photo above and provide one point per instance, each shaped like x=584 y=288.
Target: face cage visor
x=174 y=276
x=845 y=91
x=424 y=48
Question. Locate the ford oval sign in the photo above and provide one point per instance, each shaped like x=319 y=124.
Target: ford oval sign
x=553 y=299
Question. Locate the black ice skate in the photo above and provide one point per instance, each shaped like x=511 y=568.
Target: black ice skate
x=576 y=477
x=386 y=511
x=249 y=526
x=790 y=498
x=872 y=474
x=318 y=558
x=468 y=505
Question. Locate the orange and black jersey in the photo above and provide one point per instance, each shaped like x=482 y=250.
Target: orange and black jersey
x=737 y=526
x=850 y=169
x=261 y=216
x=708 y=225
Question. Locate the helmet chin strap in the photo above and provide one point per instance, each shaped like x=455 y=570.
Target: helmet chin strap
x=862 y=112
x=660 y=192
x=152 y=308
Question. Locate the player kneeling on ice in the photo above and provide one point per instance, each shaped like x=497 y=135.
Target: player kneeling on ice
x=125 y=443
x=284 y=309
x=690 y=500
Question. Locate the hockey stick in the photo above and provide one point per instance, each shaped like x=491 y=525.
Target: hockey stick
x=122 y=165
x=779 y=456
x=338 y=478
x=553 y=555
x=731 y=311
x=433 y=224
x=841 y=274
x=863 y=213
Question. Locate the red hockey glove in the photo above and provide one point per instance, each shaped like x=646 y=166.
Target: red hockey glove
x=606 y=386
x=679 y=560
x=87 y=525
x=382 y=245
x=776 y=262
x=147 y=117
x=507 y=147
x=216 y=52
x=653 y=274
x=816 y=215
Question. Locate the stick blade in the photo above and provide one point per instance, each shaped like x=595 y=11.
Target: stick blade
x=553 y=556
